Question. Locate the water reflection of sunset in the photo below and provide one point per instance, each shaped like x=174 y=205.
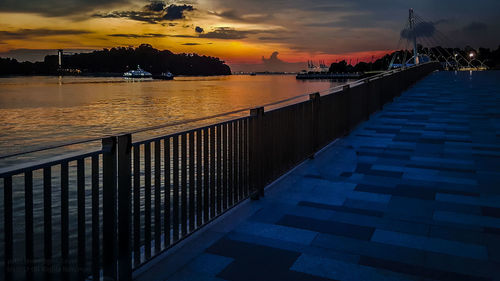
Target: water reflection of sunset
x=38 y=111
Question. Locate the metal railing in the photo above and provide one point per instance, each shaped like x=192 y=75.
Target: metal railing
x=106 y=212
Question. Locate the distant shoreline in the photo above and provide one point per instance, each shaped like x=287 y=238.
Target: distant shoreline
x=96 y=75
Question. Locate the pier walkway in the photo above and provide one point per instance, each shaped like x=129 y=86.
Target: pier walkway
x=411 y=194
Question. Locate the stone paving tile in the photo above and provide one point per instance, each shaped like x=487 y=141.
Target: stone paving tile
x=417 y=270
x=334 y=269
x=256 y=262
x=290 y=246
x=331 y=227
x=404 y=191
x=381 y=222
x=278 y=231
x=209 y=264
x=343 y=208
x=411 y=194
x=369 y=248
x=368 y=196
x=467 y=219
x=365 y=205
x=431 y=244
x=469 y=200
x=186 y=275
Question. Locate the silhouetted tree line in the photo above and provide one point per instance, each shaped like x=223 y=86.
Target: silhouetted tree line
x=13 y=67
x=488 y=57
x=119 y=60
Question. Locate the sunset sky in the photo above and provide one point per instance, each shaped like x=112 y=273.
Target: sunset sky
x=241 y=32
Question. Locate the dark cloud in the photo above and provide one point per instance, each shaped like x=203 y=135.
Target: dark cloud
x=175 y=12
x=422 y=29
x=169 y=24
x=227 y=33
x=146 y=35
x=273 y=59
x=183 y=36
x=475 y=27
x=148 y=16
x=154 y=12
x=40 y=32
x=198 y=29
x=191 y=44
x=234 y=15
x=57 y=8
x=155 y=6
x=273 y=63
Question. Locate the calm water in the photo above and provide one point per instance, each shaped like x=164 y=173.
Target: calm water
x=40 y=111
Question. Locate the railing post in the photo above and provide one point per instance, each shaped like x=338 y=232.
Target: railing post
x=124 y=207
x=8 y=228
x=109 y=245
x=368 y=95
x=257 y=182
x=346 y=108
x=315 y=107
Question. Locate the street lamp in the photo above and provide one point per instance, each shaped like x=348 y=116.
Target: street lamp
x=471 y=56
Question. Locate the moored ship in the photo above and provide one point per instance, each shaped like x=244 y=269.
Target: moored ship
x=164 y=76
x=139 y=73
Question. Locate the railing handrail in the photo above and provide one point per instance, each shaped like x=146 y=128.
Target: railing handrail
x=37 y=164
x=193 y=120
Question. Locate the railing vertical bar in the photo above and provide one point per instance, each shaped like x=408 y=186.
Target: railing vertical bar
x=184 y=207
x=219 y=170
x=109 y=245
x=212 y=171
x=175 y=209
x=236 y=159
x=245 y=156
x=280 y=124
x=271 y=146
x=192 y=185
x=137 y=205
x=28 y=220
x=64 y=219
x=96 y=264
x=255 y=153
x=206 y=175
x=225 y=168
x=8 y=226
x=240 y=161
x=124 y=207
x=47 y=216
x=167 y=192
x=157 y=197
x=231 y=164
x=80 y=175
x=199 y=183
x=147 y=199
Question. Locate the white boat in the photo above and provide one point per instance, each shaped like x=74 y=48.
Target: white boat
x=139 y=73
x=164 y=76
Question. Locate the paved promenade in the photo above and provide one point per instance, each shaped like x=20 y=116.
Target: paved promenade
x=411 y=194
